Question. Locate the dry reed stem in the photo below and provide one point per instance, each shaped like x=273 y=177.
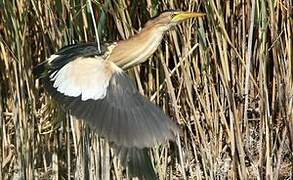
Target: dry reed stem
x=225 y=78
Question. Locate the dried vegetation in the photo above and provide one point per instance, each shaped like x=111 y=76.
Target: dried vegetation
x=225 y=78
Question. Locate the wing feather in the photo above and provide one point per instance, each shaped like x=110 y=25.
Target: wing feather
x=100 y=93
x=146 y=124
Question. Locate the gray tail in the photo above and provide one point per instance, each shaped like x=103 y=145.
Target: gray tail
x=137 y=161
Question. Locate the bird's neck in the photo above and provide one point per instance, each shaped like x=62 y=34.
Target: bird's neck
x=137 y=49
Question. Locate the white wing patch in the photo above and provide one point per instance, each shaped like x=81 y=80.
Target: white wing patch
x=85 y=77
x=52 y=57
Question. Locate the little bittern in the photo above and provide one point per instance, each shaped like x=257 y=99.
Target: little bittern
x=93 y=87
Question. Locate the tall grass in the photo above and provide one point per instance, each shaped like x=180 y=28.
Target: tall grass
x=225 y=78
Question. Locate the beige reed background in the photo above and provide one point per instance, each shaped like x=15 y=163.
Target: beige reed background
x=225 y=78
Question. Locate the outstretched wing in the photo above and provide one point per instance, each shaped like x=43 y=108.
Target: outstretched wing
x=100 y=93
x=97 y=91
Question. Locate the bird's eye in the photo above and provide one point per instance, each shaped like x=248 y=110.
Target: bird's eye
x=173 y=15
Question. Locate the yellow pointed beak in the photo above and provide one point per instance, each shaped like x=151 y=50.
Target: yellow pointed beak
x=181 y=16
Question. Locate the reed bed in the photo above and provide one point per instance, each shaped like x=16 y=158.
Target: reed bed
x=226 y=79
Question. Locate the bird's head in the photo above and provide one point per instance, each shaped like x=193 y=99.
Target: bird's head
x=168 y=19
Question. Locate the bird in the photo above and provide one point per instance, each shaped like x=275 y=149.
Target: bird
x=91 y=83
